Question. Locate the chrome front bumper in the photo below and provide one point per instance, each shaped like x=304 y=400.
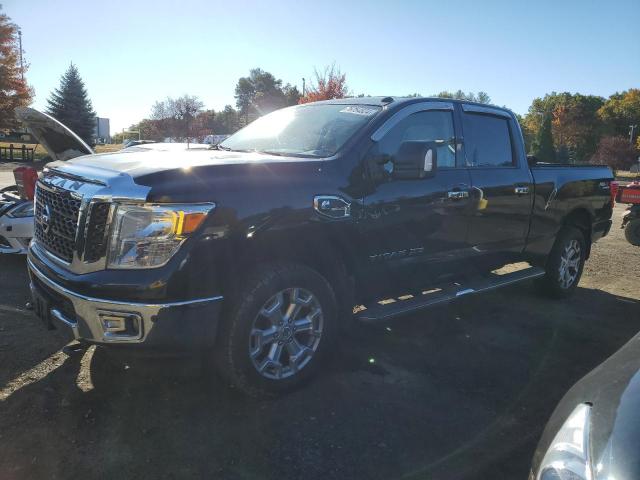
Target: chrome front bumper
x=185 y=324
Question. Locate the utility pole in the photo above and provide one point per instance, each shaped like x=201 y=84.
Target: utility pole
x=304 y=87
x=20 y=46
x=632 y=133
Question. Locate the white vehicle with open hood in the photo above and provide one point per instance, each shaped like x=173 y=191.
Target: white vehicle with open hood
x=16 y=221
x=61 y=143
x=16 y=207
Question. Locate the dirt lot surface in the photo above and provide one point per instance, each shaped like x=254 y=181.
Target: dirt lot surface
x=461 y=392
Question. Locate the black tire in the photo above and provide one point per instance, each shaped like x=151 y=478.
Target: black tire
x=278 y=284
x=554 y=283
x=11 y=188
x=632 y=232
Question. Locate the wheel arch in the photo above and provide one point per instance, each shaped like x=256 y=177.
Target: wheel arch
x=582 y=219
x=331 y=256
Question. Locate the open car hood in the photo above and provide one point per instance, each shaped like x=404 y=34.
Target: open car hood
x=60 y=142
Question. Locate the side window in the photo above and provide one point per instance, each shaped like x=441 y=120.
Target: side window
x=429 y=126
x=487 y=140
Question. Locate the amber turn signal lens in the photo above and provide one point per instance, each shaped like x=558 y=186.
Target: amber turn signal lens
x=189 y=222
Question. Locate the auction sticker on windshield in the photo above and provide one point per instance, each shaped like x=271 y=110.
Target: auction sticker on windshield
x=359 y=110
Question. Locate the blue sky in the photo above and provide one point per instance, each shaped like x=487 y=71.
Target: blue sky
x=131 y=54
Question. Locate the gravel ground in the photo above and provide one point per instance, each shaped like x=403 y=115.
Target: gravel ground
x=461 y=392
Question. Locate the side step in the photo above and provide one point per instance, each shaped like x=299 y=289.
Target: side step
x=389 y=308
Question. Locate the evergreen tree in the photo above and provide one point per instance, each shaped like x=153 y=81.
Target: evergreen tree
x=70 y=105
x=543 y=144
x=563 y=154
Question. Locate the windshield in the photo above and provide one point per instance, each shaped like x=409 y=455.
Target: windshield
x=304 y=130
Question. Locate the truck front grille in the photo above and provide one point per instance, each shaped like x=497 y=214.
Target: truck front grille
x=56 y=222
x=96 y=242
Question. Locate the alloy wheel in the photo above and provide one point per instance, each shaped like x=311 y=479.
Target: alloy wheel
x=569 y=264
x=286 y=333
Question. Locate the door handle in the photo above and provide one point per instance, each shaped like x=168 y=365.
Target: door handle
x=458 y=194
x=519 y=190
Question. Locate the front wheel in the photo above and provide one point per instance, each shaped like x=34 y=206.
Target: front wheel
x=564 y=264
x=632 y=232
x=278 y=331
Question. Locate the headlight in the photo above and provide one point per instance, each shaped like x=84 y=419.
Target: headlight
x=21 y=211
x=568 y=456
x=147 y=236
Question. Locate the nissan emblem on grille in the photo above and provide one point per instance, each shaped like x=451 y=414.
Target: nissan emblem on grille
x=45 y=219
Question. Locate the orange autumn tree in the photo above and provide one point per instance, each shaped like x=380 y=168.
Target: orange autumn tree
x=14 y=91
x=330 y=83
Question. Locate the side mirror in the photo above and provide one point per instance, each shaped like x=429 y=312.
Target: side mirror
x=415 y=160
x=532 y=160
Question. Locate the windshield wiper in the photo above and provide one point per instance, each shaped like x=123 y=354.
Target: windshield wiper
x=276 y=154
x=220 y=147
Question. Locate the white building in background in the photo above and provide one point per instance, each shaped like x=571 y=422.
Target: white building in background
x=102 y=132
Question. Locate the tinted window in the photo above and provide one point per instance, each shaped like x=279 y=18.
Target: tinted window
x=432 y=126
x=487 y=141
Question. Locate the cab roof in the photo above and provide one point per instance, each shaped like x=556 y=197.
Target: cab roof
x=399 y=101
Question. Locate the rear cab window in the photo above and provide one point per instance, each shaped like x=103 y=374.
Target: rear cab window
x=487 y=140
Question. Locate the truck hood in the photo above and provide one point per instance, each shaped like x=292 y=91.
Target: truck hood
x=60 y=142
x=186 y=176
x=138 y=162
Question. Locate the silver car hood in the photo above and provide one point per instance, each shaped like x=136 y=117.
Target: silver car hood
x=60 y=142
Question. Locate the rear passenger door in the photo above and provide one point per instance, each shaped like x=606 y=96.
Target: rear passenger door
x=502 y=186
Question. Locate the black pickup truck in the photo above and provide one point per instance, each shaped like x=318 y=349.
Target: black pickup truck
x=258 y=251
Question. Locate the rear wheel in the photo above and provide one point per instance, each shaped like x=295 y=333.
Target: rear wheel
x=564 y=264
x=632 y=232
x=278 y=331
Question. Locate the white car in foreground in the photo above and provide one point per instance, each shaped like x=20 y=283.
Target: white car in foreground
x=16 y=222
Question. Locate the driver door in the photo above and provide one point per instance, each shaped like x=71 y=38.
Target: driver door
x=415 y=229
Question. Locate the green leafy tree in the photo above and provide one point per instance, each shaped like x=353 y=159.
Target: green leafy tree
x=291 y=94
x=576 y=124
x=563 y=155
x=480 y=97
x=14 y=91
x=575 y=121
x=204 y=124
x=460 y=95
x=70 y=105
x=259 y=93
x=543 y=147
x=483 y=97
x=621 y=111
x=227 y=121
x=149 y=130
x=527 y=134
x=175 y=116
